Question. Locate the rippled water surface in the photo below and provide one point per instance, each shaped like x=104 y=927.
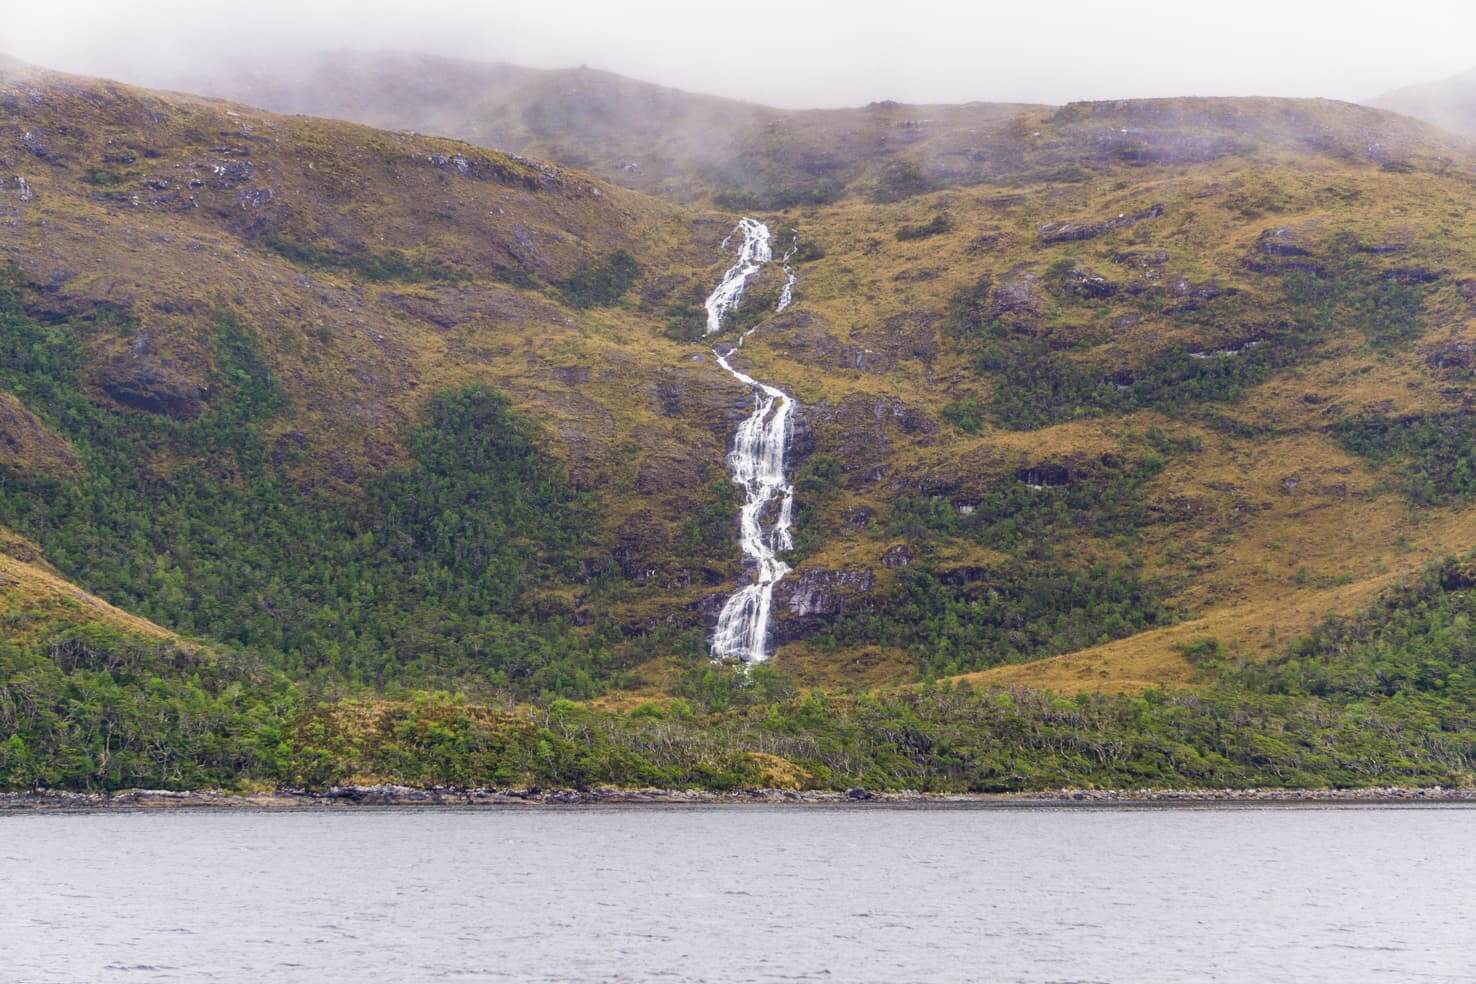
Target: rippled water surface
x=742 y=894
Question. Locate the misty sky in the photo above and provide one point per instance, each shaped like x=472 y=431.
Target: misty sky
x=803 y=53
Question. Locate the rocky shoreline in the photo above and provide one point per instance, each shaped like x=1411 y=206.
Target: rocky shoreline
x=403 y=796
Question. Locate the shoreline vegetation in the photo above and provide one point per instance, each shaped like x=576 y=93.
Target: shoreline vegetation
x=1383 y=701
x=408 y=796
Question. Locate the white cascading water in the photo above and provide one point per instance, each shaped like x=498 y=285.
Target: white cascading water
x=787 y=294
x=757 y=463
x=752 y=255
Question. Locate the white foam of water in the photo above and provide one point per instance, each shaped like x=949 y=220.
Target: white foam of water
x=752 y=255
x=757 y=464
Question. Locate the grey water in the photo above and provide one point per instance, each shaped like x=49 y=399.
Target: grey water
x=1235 y=894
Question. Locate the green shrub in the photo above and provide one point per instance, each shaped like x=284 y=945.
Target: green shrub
x=601 y=284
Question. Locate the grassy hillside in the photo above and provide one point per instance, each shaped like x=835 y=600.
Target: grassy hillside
x=1114 y=397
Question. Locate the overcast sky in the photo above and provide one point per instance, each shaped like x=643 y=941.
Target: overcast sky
x=804 y=53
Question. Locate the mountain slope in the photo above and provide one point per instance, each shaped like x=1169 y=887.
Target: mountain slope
x=689 y=147
x=393 y=410
x=1448 y=103
x=1134 y=395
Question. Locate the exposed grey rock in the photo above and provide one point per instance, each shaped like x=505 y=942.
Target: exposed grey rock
x=1015 y=295
x=1146 y=260
x=479 y=168
x=897 y=556
x=230 y=173
x=1281 y=241
x=1085 y=282
x=1451 y=355
x=1074 y=231
x=1411 y=275
x=254 y=197
x=806 y=600
x=35 y=141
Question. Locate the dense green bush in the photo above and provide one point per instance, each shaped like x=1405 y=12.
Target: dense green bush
x=1436 y=452
x=378 y=265
x=429 y=574
x=953 y=621
x=601 y=284
x=1102 y=498
x=1387 y=698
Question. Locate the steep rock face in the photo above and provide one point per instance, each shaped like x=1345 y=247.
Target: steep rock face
x=806 y=600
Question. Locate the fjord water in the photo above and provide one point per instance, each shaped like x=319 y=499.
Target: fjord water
x=719 y=894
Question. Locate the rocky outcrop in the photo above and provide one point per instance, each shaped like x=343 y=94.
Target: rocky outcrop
x=142 y=380
x=1451 y=355
x=806 y=339
x=1016 y=296
x=1077 y=230
x=1047 y=474
x=522 y=797
x=699 y=395
x=1084 y=282
x=896 y=556
x=861 y=431
x=807 y=600
x=1183 y=289
x=1281 y=241
x=1282 y=250
x=1411 y=276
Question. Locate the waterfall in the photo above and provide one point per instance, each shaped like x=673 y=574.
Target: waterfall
x=787 y=293
x=752 y=255
x=757 y=465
